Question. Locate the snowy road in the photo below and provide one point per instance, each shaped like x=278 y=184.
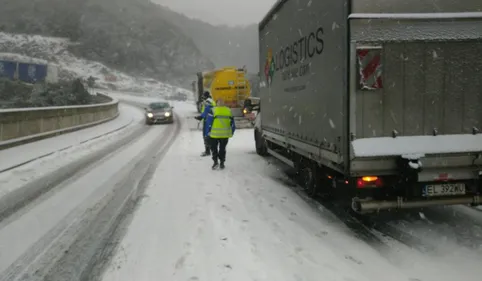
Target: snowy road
x=54 y=224
x=198 y=224
x=245 y=223
x=79 y=218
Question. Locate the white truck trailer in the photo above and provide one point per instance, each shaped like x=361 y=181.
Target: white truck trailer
x=377 y=101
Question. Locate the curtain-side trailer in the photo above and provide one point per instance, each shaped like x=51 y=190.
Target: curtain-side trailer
x=375 y=100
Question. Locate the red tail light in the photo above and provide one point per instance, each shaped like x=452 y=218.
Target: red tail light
x=443 y=177
x=369 y=182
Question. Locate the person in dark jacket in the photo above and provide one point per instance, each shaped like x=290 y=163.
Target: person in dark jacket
x=208 y=103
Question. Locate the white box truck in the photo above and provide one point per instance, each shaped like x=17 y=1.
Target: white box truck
x=377 y=101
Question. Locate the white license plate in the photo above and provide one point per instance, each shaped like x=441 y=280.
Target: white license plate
x=447 y=189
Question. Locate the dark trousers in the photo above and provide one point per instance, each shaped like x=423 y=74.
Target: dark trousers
x=218 y=147
x=207 y=144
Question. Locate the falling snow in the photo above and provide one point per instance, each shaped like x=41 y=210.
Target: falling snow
x=332 y=124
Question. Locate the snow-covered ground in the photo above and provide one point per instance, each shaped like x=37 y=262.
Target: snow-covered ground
x=237 y=224
x=26 y=163
x=53 y=237
x=52 y=50
x=243 y=224
x=49 y=154
x=23 y=164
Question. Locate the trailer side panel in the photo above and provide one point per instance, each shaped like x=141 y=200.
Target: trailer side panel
x=302 y=60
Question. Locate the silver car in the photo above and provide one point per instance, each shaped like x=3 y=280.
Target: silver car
x=159 y=113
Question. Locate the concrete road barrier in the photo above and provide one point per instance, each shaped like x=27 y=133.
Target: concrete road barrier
x=23 y=125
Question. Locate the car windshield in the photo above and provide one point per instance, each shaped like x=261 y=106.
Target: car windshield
x=159 y=105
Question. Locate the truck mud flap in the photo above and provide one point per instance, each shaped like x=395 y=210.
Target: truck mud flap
x=408 y=170
x=370 y=206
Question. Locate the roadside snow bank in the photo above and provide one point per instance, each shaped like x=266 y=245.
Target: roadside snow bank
x=40 y=49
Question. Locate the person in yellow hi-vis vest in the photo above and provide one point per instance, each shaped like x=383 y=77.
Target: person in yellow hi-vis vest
x=221 y=127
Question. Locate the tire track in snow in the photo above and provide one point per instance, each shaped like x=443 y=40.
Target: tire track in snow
x=335 y=213
x=83 y=238
x=398 y=225
x=360 y=229
x=435 y=226
x=385 y=227
x=115 y=232
x=370 y=229
x=279 y=211
x=40 y=189
x=65 y=148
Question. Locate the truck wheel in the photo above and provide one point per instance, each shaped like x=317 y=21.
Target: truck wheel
x=309 y=178
x=261 y=145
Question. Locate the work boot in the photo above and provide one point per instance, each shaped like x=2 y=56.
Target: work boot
x=215 y=165
x=222 y=165
x=205 y=153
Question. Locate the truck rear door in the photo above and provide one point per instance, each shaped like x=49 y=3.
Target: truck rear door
x=416 y=74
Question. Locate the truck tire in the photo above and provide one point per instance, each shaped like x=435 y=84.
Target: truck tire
x=309 y=178
x=198 y=107
x=260 y=142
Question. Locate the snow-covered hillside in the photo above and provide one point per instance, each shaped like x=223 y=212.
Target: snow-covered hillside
x=40 y=49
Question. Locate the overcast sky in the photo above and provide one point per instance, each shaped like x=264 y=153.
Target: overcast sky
x=230 y=12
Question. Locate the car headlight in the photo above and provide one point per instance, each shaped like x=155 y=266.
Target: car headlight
x=150 y=115
x=167 y=114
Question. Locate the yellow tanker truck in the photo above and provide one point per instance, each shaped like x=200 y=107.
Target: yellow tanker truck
x=229 y=84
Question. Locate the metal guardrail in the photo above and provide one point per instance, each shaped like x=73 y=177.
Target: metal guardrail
x=23 y=125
